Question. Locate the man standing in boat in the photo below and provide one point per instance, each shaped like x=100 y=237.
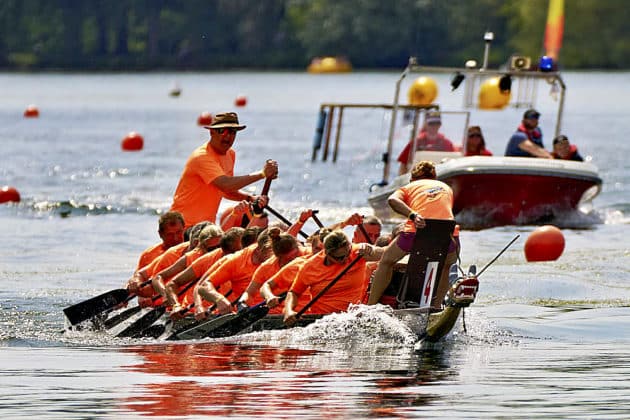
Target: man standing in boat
x=208 y=175
x=527 y=141
x=423 y=198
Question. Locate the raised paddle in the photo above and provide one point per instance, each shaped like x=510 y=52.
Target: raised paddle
x=87 y=309
x=328 y=286
x=257 y=209
x=316 y=219
x=283 y=219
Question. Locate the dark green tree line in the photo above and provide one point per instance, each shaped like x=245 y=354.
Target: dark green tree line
x=220 y=34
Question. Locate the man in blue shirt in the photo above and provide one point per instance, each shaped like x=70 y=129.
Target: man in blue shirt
x=527 y=141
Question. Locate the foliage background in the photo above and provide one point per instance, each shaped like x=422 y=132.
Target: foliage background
x=285 y=34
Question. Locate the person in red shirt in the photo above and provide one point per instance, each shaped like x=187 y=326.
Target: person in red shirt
x=424 y=197
x=171 y=231
x=429 y=139
x=208 y=175
x=475 y=144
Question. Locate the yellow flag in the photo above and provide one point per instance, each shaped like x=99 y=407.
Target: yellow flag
x=554 y=29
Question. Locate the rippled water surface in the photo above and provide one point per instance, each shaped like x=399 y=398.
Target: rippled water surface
x=547 y=340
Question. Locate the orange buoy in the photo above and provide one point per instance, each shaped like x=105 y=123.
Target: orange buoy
x=132 y=142
x=8 y=194
x=241 y=100
x=205 y=118
x=546 y=243
x=31 y=111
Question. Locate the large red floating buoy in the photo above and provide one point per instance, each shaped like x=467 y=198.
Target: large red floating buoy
x=205 y=118
x=31 y=111
x=9 y=194
x=546 y=243
x=241 y=100
x=132 y=142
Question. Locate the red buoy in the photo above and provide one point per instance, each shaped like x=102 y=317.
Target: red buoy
x=241 y=100
x=31 y=111
x=8 y=194
x=546 y=243
x=132 y=142
x=205 y=118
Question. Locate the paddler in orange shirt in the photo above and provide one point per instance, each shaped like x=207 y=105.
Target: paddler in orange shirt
x=169 y=257
x=171 y=230
x=319 y=270
x=285 y=248
x=424 y=197
x=208 y=175
x=209 y=240
x=229 y=243
x=237 y=269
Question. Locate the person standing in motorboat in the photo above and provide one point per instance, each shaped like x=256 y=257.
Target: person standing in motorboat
x=563 y=149
x=527 y=141
x=423 y=198
x=475 y=144
x=429 y=139
x=208 y=175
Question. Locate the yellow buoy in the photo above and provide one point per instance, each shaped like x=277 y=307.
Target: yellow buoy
x=490 y=95
x=329 y=65
x=423 y=91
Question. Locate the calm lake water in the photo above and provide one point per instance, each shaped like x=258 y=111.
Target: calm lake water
x=545 y=340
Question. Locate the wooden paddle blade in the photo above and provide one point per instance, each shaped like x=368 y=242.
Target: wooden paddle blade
x=143 y=322
x=203 y=328
x=120 y=317
x=89 y=308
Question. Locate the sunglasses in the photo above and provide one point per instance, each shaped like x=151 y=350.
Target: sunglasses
x=474 y=135
x=229 y=130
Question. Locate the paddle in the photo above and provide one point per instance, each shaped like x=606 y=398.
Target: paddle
x=316 y=219
x=265 y=191
x=328 y=286
x=87 y=309
x=283 y=219
x=146 y=318
x=241 y=321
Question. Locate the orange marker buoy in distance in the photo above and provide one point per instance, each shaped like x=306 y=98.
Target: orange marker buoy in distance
x=205 y=118
x=132 y=142
x=31 y=111
x=241 y=100
x=545 y=243
x=9 y=194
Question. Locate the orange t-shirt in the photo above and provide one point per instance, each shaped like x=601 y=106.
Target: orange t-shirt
x=195 y=197
x=316 y=275
x=431 y=198
x=167 y=259
x=199 y=267
x=150 y=254
x=283 y=280
x=237 y=268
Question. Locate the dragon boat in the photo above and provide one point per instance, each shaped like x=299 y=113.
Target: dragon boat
x=413 y=284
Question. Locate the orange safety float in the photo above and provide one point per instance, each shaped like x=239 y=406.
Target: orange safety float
x=205 y=118
x=545 y=243
x=132 y=142
x=241 y=100
x=31 y=111
x=9 y=194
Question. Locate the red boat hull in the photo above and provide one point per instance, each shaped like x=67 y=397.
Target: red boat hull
x=515 y=199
